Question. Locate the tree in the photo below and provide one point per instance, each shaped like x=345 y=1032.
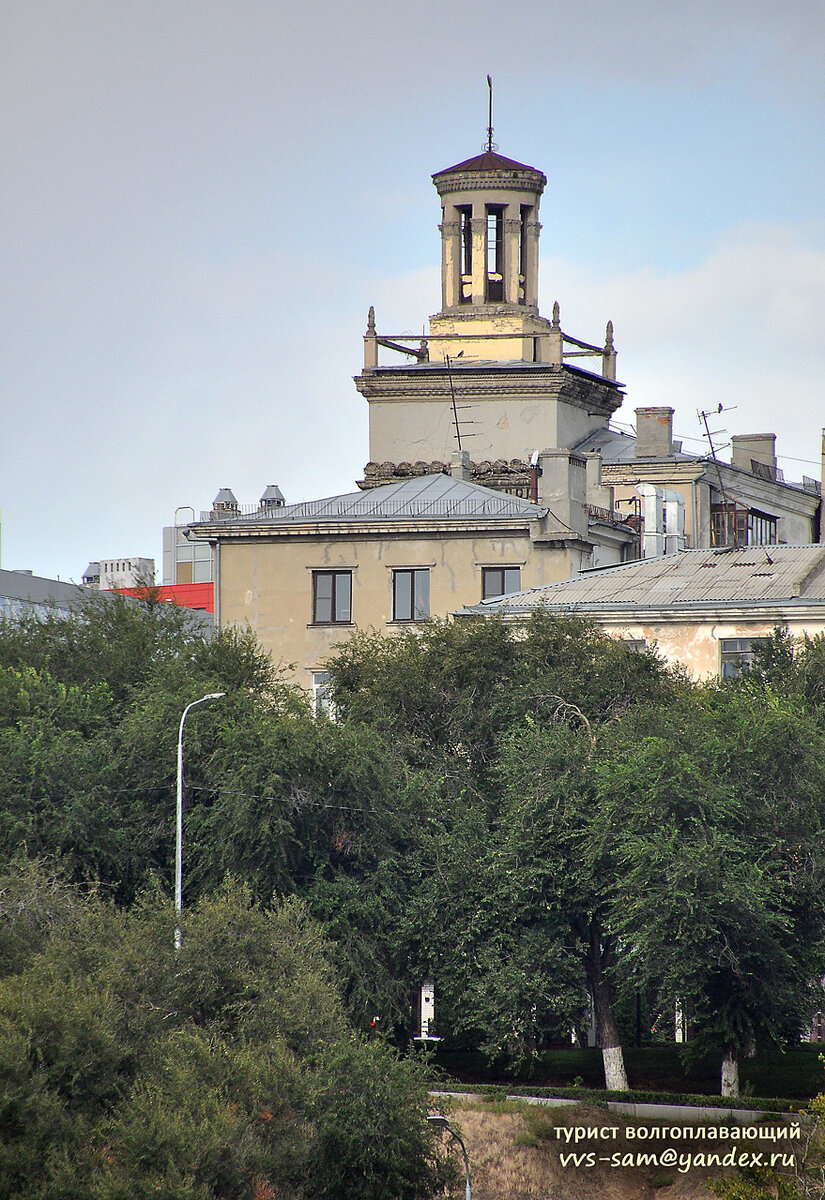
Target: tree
x=224 y=1071
x=715 y=811
x=495 y=725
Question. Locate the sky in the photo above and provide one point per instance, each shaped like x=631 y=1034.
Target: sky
x=200 y=200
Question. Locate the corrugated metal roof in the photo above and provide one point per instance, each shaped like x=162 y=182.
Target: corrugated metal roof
x=755 y=573
x=424 y=497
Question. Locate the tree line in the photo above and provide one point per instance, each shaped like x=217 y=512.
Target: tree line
x=529 y=815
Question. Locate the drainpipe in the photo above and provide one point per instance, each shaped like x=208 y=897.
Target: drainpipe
x=217 y=583
x=695 y=505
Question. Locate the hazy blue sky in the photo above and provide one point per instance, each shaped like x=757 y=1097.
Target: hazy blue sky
x=200 y=201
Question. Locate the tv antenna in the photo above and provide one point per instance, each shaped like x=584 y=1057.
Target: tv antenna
x=449 y=363
x=703 y=417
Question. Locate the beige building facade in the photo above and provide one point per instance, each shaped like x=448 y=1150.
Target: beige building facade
x=307 y=575
x=705 y=610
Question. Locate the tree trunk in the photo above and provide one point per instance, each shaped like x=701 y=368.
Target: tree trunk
x=600 y=959
x=730 y=1072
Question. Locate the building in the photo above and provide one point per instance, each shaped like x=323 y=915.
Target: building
x=22 y=593
x=306 y=575
x=495 y=400
x=679 y=500
x=473 y=484
x=704 y=609
x=494 y=378
x=119 y=573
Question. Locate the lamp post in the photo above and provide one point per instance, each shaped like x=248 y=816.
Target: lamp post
x=441 y=1122
x=179 y=832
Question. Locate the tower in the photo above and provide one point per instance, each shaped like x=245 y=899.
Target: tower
x=489 y=260
x=492 y=380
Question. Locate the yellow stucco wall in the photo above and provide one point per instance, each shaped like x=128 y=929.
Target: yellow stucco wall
x=696 y=645
x=268 y=584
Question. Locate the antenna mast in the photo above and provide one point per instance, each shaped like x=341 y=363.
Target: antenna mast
x=452 y=396
x=703 y=417
x=491 y=146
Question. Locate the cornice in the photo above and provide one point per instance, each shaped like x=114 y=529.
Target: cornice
x=312 y=530
x=491 y=181
x=552 y=383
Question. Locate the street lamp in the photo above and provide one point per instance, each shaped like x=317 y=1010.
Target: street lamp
x=179 y=836
x=440 y=1122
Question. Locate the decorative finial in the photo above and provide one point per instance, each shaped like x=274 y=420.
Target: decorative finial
x=608 y=336
x=371 y=321
x=556 y=315
x=490 y=145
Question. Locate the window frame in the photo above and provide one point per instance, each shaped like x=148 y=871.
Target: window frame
x=487 y=572
x=412 y=605
x=337 y=604
x=737 y=658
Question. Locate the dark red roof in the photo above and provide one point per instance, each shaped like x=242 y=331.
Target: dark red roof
x=488 y=161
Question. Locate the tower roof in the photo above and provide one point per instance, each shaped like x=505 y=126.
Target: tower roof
x=488 y=161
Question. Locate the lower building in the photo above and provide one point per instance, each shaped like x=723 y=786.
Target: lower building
x=704 y=609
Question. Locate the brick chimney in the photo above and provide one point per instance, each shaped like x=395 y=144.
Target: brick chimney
x=753 y=447
x=654 y=432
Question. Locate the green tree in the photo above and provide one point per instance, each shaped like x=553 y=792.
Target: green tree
x=715 y=810
x=226 y=1070
x=505 y=880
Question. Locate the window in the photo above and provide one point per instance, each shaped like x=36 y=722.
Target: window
x=495 y=253
x=733 y=525
x=411 y=595
x=522 y=253
x=738 y=654
x=499 y=581
x=465 y=215
x=322 y=705
x=331 y=597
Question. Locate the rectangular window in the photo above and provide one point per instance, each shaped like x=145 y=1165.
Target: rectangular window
x=495 y=253
x=738 y=654
x=499 y=581
x=331 y=597
x=410 y=595
x=735 y=525
x=322 y=705
x=465 y=216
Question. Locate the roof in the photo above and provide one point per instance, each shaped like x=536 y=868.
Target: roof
x=424 y=497
x=752 y=575
x=616 y=446
x=488 y=161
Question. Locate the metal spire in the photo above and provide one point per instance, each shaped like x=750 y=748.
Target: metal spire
x=491 y=146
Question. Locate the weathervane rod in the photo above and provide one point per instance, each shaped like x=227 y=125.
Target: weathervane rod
x=490 y=118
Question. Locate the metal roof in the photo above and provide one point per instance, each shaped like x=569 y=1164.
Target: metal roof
x=618 y=447
x=750 y=575
x=488 y=161
x=424 y=497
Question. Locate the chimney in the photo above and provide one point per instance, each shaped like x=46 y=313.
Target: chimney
x=460 y=466
x=563 y=489
x=224 y=504
x=272 y=497
x=598 y=494
x=654 y=432
x=749 y=448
